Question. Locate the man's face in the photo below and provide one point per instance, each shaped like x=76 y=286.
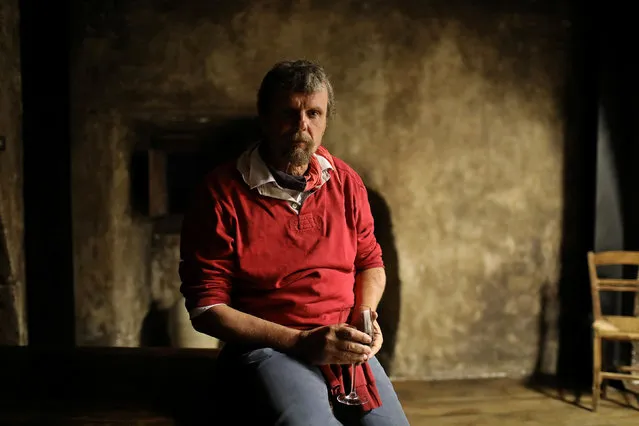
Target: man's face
x=295 y=125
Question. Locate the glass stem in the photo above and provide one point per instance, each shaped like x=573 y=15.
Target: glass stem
x=353 y=380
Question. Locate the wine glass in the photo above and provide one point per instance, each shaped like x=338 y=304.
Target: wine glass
x=364 y=322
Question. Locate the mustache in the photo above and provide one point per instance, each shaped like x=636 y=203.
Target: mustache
x=300 y=136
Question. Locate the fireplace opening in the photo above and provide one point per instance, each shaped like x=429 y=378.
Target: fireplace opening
x=170 y=160
x=184 y=170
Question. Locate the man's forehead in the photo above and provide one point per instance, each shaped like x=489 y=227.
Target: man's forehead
x=316 y=98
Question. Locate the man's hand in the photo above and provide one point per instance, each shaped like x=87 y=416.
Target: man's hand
x=378 y=338
x=334 y=344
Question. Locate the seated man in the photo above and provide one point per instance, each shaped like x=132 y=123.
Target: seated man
x=278 y=255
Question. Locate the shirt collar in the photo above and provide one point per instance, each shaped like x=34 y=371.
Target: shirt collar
x=255 y=171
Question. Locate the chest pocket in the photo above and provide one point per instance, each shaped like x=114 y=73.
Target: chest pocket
x=307 y=223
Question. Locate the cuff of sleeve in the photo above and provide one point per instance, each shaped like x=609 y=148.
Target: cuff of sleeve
x=201 y=309
x=201 y=301
x=369 y=265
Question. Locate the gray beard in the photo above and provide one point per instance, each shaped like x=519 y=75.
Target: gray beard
x=300 y=156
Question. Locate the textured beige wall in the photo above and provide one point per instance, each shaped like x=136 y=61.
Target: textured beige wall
x=165 y=293
x=110 y=246
x=12 y=276
x=450 y=113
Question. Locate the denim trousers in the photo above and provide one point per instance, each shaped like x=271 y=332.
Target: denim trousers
x=266 y=387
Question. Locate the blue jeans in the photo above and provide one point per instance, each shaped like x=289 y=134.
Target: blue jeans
x=272 y=388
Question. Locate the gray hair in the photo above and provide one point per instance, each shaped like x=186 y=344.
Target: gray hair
x=300 y=76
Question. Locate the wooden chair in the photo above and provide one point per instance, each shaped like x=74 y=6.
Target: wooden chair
x=617 y=327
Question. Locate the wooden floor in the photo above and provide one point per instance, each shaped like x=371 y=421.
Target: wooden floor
x=130 y=386
x=459 y=403
x=508 y=402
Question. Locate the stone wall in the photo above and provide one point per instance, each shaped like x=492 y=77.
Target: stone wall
x=451 y=112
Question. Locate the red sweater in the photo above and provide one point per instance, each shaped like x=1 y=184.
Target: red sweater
x=257 y=255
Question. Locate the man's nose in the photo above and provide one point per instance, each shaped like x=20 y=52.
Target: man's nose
x=302 y=123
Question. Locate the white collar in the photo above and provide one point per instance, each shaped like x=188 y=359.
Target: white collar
x=256 y=173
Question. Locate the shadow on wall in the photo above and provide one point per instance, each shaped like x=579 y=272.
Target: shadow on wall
x=155 y=328
x=389 y=306
x=570 y=308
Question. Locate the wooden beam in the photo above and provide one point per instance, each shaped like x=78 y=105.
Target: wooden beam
x=618 y=376
x=628 y=368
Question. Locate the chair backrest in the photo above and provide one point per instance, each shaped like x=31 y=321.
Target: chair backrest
x=609 y=258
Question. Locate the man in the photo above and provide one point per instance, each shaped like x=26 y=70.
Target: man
x=278 y=256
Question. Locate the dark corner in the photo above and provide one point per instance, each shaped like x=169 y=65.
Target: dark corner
x=44 y=59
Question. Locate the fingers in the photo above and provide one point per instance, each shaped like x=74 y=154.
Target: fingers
x=356 y=348
x=352 y=346
x=378 y=339
x=344 y=357
x=358 y=359
x=347 y=332
x=351 y=358
x=341 y=358
x=377 y=344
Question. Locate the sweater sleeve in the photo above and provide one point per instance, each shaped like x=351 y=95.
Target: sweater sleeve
x=206 y=252
x=369 y=252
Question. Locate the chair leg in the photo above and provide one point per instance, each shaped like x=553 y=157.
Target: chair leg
x=596 y=372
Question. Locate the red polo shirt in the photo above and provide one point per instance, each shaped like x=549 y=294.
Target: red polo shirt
x=256 y=254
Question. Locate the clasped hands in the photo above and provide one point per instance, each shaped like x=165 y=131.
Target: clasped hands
x=339 y=344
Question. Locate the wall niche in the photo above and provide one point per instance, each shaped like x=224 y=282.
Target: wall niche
x=171 y=157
